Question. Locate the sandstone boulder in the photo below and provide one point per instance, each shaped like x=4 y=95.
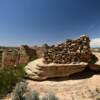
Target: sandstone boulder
x=95 y=66
x=37 y=70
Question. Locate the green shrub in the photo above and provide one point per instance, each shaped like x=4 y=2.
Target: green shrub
x=94 y=59
x=32 y=96
x=19 y=91
x=9 y=77
x=49 y=96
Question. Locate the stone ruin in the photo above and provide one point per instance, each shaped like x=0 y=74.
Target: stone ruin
x=63 y=60
x=70 y=51
x=75 y=51
x=20 y=56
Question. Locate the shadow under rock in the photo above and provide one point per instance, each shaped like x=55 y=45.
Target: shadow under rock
x=87 y=73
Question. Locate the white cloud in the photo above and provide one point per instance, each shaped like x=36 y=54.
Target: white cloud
x=95 y=42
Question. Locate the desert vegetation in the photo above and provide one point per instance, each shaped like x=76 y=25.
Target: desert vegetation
x=9 y=77
x=21 y=93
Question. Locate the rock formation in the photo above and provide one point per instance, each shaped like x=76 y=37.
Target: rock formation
x=19 y=56
x=9 y=58
x=95 y=66
x=61 y=60
x=37 y=70
x=40 y=50
x=26 y=54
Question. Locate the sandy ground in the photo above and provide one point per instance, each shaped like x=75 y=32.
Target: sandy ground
x=81 y=86
x=77 y=87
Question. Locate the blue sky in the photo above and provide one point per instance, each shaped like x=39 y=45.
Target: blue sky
x=40 y=21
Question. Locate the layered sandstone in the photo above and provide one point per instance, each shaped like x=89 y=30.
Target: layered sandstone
x=37 y=70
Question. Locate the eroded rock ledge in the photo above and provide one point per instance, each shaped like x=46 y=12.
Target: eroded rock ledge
x=37 y=70
x=65 y=59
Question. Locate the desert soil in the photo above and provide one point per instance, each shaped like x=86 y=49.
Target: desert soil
x=81 y=86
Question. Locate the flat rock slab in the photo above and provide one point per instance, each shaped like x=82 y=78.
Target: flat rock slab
x=37 y=70
x=96 y=66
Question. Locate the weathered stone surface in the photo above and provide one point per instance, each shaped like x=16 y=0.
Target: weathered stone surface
x=24 y=57
x=37 y=70
x=40 y=50
x=26 y=54
x=76 y=88
x=69 y=51
x=9 y=58
x=95 y=66
x=13 y=57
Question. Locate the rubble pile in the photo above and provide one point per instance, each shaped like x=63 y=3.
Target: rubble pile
x=70 y=51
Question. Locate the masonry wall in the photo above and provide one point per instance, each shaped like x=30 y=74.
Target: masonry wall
x=70 y=51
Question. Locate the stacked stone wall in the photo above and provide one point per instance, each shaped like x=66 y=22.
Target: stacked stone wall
x=70 y=51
